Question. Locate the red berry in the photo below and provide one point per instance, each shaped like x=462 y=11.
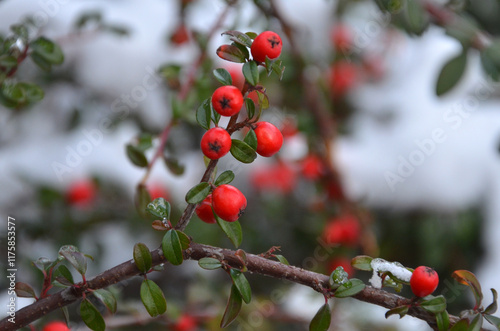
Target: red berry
x=341 y=37
x=157 y=191
x=279 y=178
x=215 y=143
x=227 y=100
x=180 y=35
x=343 y=77
x=424 y=281
x=204 y=210
x=81 y=193
x=269 y=139
x=344 y=230
x=186 y=323
x=56 y=326
x=228 y=202
x=312 y=167
x=268 y=43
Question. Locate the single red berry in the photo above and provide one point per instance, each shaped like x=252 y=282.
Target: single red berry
x=180 y=35
x=424 y=281
x=268 y=43
x=343 y=77
x=343 y=230
x=279 y=178
x=312 y=167
x=215 y=143
x=227 y=100
x=55 y=326
x=81 y=193
x=186 y=323
x=204 y=210
x=269 y=139
x=228 y=202
x=158 y=191
x=341 y=37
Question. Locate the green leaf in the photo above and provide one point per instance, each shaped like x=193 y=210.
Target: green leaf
x=8 y=61
x=278 y=69
x=251 y=72
x=282 y=259
x=74 y=257
x=338 y=277
x=44 y=264
x=47 y=50
x=14 y=92
x=321 y=321
x=239 y=37
x=434 y=305
x=243 y=50
x=174 y=166
x=224 y=178
x=251 y=139
x=231 y=53
x=476 y=324
x=252 y=35
x=142 y=257
x=242 y=152
x=492 y=308
x=198 y=193
x=451 y=73
x=203 y=114
x=469 y=279
x=223 y=76
x=63 y=276
x=152 y=297
x=232 y=230
x=401 y=311
x=32 y=92
x=493 y=320
x=24 y=290
x=136 y=156
x=462 y=325
x=416 y=18
x=91 y=316
x=443 y=321
x=172 y=248
x=352 y=287
x=250 y=107
x=144 y=141
x=160 y=208
x=107 y=298
x=242 y=284
x=490 y=60
x=233 y=307
x=88 y=17
x=41 y=62
x=362 y=262
x=209 y=263
x=142 y=199
x=184 y=240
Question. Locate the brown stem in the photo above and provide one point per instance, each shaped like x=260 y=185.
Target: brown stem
x=255 y=264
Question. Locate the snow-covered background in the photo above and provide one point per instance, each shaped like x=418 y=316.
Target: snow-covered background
x=409 y=149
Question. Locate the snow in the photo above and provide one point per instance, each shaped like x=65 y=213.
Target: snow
x=381 y=266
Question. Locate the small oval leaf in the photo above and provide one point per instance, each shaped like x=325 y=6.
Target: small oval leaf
x=232 y=230
x=107 y=298
x=224 y=178
x=401 y=311
x=209 y=263
x=362 y=262
x=250 y=107
x=451 y=73
x=353 y=287
x=24 y=290
x=321 y=321
x=223 y=76
x=231 y=53
x=282 y=259
x=251 y=72
x=242 y=151
x=172 y=248
x=74 y=257
x=91 y=316
x=142 y=257
x=233 y=307
x=434 y=305
x=203 y=114
x=152 y=297
x=467 y=278
x=198 y=193
x=242 y=284
x=136 y=156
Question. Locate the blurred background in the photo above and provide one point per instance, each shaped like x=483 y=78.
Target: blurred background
x=390 y=113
